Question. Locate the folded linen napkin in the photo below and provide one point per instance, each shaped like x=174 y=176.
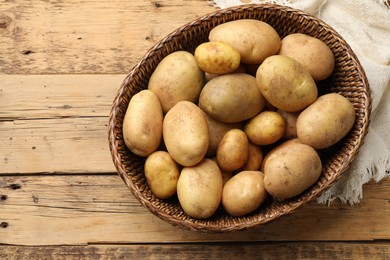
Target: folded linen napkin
x=365 y=25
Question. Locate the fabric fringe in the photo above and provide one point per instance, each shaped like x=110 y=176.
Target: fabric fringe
x=353 y=182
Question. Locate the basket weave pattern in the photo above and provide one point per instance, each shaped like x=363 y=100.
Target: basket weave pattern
x=348 y=79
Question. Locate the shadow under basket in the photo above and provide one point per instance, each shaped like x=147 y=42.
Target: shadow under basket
x=348 y=79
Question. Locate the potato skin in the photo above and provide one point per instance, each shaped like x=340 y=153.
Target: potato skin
x=255 y=40
x=290 y=170
x=162 y=174
x=286 y=84
x=232 y=152
x=255 y=158
x=273 y=150
x=177 y=77
x=185 y=133
x=231 y=98
x=199 y=189
x=326 y=121
x=243 y=193
x=265 y=128
x=217 y=57
x=312 y=53
x=142 y=124
x=217 y=130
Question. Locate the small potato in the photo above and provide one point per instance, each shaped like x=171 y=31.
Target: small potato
x=231 y=98
x=254 y=39
x=243 y=193
x=291 y=170
x=232 y=152
x=286 y=84
x=326 y=121
x=217 y=57
x=161 y=173
x=199 y=189
x=291 y=122
x=265 y=128
x=177 y=77
x=142 y=125
x=255 y=158
x=186 y=134
x=312 y=53
x=217 y=130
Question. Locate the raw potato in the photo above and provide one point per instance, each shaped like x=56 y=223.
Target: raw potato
x=291 y=123
x=326 y=121
x=265 y=128
x=255 y=158
x=312 y=53
x=231 y=98
x=142 y=125
x=291 y=170
x=243 y=193
x=217 y=57
x=286 y=84
x=177 y=77
x=278 y=147
x=217 y=130
x=162 y=174
x=232 y=152
x=199 y=189
x=255 y=40
x=186 y=134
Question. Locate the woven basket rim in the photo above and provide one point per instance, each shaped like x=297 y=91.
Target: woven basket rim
x=206 y=226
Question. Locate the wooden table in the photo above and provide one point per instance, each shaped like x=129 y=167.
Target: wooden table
x=61 y=63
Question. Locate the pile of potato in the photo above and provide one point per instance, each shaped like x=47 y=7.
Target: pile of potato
x=207 y=119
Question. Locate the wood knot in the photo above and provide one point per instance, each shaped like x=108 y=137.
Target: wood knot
x=15 y=186
x=4 y=224
x=5 y=22
x=157 y=4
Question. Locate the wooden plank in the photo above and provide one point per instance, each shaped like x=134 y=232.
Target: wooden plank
x=67 y=145
x=57 y=96
x=88 y=36
x=56 y=123
x=82 y=209
x=288 y=250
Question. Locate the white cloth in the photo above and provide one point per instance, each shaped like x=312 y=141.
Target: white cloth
x=365 y=25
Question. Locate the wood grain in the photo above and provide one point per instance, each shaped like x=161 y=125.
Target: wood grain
x=67 y=145
x=56 y=123
x=57 y=96
x=82 y=209
x=89 y=36
x=285 y=250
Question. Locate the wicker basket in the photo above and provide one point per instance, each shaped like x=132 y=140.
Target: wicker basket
x=348 y=79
